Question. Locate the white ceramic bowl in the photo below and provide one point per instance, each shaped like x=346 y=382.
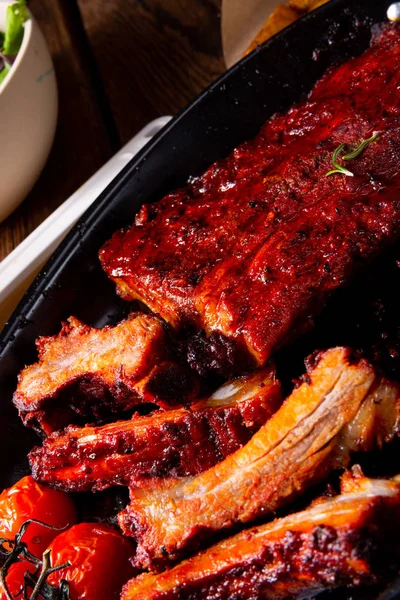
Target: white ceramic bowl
x=28 y=116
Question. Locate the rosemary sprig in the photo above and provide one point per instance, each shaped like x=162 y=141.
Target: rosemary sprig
x=12 y=551
x=339 y=168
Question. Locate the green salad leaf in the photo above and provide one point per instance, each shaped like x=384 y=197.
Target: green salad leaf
x=17 y=14
x=11 y=39
x=4 y=72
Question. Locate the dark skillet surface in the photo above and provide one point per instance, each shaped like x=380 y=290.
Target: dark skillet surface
x=232 y=110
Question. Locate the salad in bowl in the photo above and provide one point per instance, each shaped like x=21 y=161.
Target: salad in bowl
x=28 y=103
x=11 y=39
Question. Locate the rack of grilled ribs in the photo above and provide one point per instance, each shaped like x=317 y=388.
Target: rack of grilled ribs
x=250 y=251
x=178 y=442
x=239 y=262
x=92 y=373
x=341 y=407
x=349 y=540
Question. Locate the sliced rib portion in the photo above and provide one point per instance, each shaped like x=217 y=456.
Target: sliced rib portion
x=342 y=406
x=87 y=372
x=175 y=442
x=252 y=249
x=350 y=540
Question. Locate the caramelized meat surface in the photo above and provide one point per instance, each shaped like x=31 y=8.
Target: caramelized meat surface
x=252 y=249
x=341 y=407
x=91 y=373
x=176 y=442
x=350 y=540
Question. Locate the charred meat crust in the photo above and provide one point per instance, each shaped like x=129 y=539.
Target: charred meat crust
x=87 y=374
x=252 y=249
x=343 y=408
x=350 y=540
x=177 y=442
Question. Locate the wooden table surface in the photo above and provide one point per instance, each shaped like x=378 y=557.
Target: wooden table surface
x=119 y=64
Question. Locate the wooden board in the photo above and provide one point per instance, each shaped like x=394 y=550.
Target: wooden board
x=154 y=55
x=119 y=64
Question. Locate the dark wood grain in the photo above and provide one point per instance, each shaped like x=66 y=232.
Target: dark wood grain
x=119 y=64
x=154 y=55
x=82 y=144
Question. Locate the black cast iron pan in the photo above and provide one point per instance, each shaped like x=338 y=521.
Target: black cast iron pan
x=230 y=111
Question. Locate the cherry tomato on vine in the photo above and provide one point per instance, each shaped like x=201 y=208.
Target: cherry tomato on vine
x=15 y=579
x=99 y=557
x=30 y=500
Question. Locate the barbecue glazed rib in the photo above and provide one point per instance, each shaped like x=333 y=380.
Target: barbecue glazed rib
x=250 y=251
x=350 y=540
x=87 y=372
x=177 y=442
x=341 y=407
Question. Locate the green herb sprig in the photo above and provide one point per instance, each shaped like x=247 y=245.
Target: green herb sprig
x=15 y=550
x=339 y=168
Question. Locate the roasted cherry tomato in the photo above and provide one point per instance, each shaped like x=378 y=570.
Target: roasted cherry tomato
x=15 y=578
x=30 y=500
x=99 y=557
